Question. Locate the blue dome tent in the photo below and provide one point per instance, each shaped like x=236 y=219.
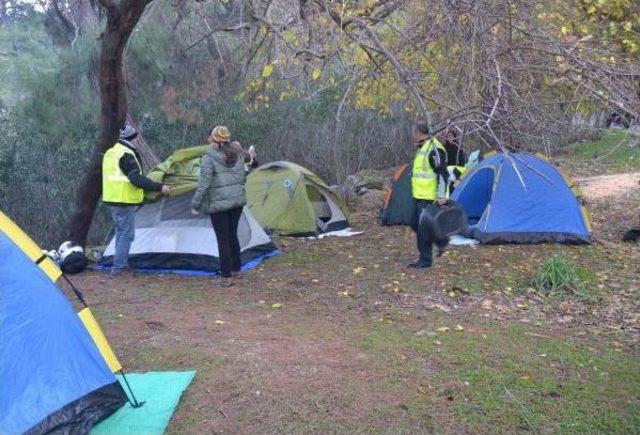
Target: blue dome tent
x=53 y=376
x=521 y=198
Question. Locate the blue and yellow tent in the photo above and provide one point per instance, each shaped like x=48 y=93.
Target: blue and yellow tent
x=56 y=367
x=521 y=198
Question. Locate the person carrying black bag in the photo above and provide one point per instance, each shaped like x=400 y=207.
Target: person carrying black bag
x=429 y=180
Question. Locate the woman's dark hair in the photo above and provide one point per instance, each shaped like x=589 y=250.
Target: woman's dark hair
x=230 y=153
x=422 y=127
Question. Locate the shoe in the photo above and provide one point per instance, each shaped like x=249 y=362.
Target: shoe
x=419 y=265
x=224 y=281
x=115 y=273
x=440 y=251
x=236 y=275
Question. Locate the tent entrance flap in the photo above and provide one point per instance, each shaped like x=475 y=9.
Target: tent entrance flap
x=477 y=195
x=319 y=203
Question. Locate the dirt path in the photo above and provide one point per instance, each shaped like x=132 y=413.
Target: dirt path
x=606 y=186
x=613 y=202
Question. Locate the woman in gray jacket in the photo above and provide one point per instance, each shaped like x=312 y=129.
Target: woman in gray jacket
x=221 y=194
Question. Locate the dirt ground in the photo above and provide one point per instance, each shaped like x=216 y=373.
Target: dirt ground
x=285 y=349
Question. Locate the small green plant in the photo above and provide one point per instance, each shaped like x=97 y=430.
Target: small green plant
x=560 y=275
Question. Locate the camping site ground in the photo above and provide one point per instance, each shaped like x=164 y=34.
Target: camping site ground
x=337 y=335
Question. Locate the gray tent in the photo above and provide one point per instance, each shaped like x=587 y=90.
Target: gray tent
x=169 y=237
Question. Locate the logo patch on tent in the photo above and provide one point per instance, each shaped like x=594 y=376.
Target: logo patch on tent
x=287 y=184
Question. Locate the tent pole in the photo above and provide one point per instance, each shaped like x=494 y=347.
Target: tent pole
x=135 y=402
x=75 y=290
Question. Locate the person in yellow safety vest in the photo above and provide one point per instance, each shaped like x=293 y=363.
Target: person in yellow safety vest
x=429 y=183
x=123 y=187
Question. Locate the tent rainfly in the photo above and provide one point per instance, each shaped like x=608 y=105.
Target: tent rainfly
x=56 y=367
x=521 y=198
x=291 y=200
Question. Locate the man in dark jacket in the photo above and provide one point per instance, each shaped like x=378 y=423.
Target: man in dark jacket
x=456 y=157
x=429 y=182
x=123 y=187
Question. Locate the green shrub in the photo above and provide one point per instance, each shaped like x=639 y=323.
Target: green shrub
x=559 y=275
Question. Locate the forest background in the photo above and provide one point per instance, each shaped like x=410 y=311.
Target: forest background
x=331 y=85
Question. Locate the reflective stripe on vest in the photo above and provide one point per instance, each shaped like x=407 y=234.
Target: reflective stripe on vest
x=424 y=183
x=116 y=187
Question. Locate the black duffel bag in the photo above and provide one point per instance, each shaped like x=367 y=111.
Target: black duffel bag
x=439 y=222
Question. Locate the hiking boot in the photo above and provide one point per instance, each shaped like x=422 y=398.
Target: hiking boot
x=440 y=250
x=419 y=265
x=236 y=275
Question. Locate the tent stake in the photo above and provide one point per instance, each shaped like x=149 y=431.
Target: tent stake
x=135 y=402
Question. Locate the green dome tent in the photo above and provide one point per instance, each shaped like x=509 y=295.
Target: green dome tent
x=291 y=200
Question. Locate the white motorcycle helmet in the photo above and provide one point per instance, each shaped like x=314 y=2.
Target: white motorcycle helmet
x=67 y=248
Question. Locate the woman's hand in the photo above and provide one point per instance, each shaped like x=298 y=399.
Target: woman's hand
x=441 y=201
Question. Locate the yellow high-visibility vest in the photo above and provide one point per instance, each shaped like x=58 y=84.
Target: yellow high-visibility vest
x=116 y=187
x=424 y=182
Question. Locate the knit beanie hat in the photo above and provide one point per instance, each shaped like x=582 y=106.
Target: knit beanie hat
x=128 y=132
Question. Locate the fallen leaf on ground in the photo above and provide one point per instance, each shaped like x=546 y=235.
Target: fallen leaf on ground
x=425 y=389
x=440 y=307
x=276 y=305
x=443 y=329
x=358 y=270
x=219 y=322
x=459 y=328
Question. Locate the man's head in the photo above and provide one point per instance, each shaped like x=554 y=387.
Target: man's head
x=421 y=132
x=128 y=132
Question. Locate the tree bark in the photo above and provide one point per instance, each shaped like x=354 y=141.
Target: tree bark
x=122 y=18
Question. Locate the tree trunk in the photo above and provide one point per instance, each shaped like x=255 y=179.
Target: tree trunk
x=148 y=157
x=121 y=20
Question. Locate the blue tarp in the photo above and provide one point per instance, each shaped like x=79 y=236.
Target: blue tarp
x=521 y=198
x=47 y=357
x=186 y=272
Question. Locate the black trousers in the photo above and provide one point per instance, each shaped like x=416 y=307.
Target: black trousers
x=425 y=245
x=225 y=224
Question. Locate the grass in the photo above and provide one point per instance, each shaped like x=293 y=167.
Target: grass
x=297 y=258
x=504 y=380
x=559 y=275
x=615 y=148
